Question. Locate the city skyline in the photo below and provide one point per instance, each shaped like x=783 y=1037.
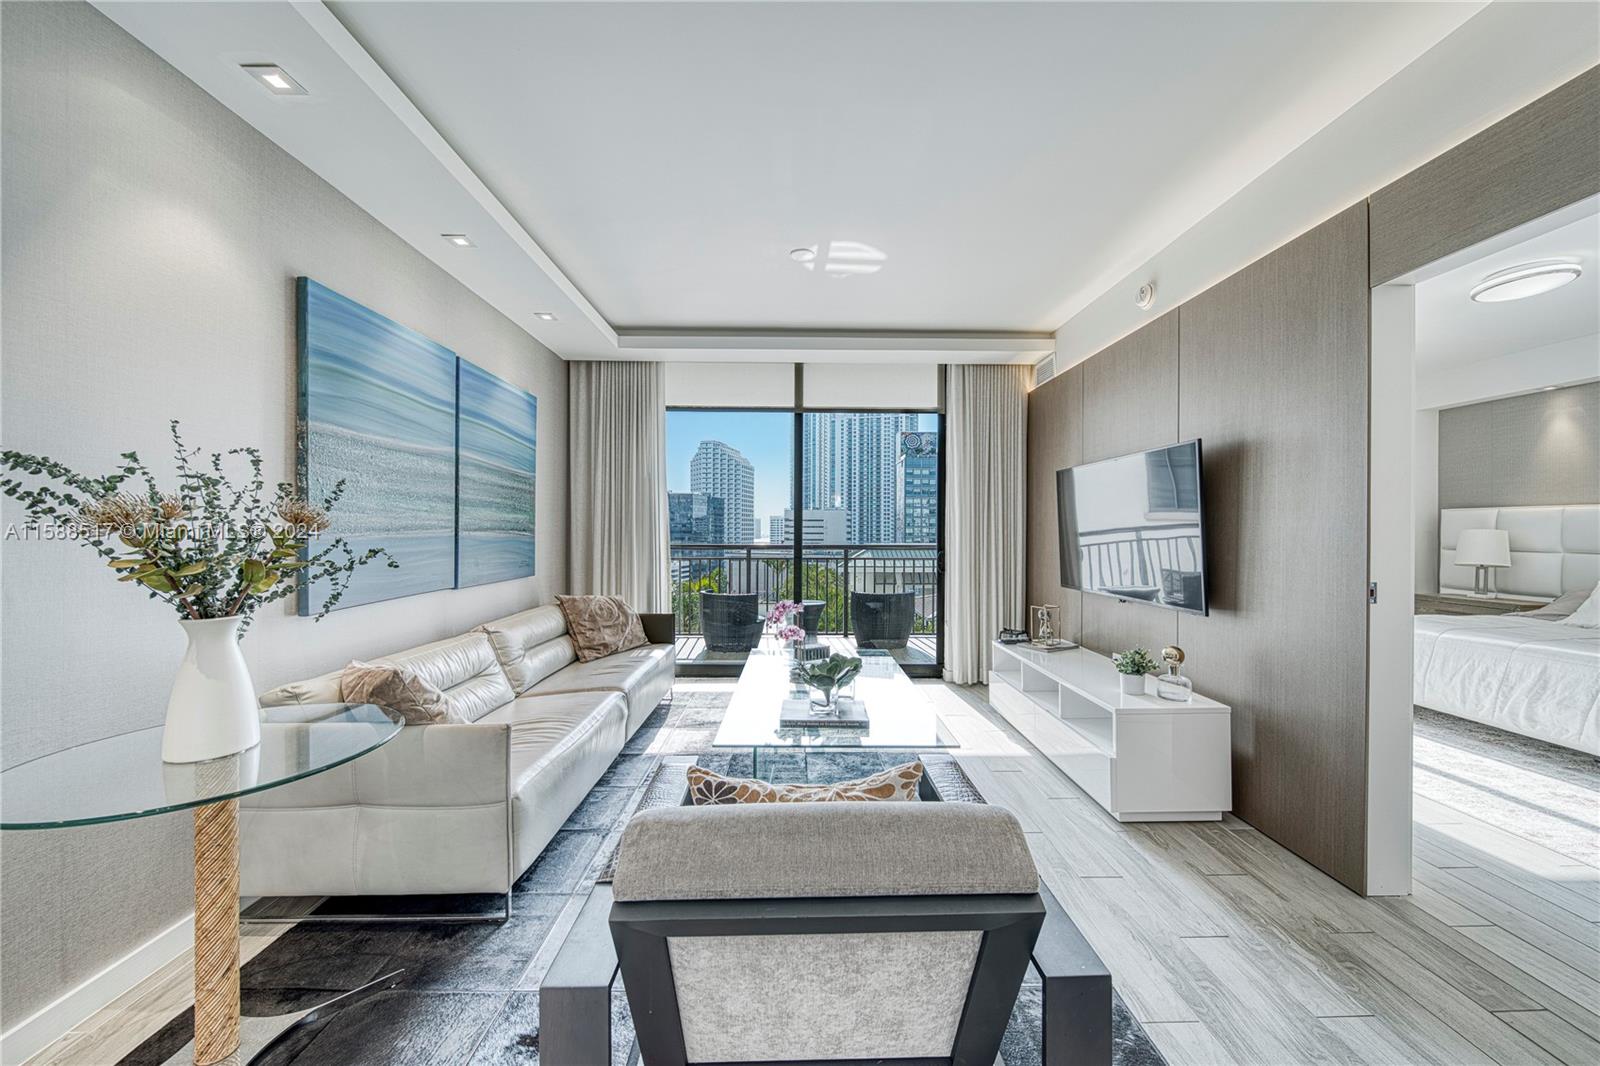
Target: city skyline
x=765 y=439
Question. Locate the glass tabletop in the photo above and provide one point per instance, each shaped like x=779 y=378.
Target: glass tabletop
x=123 y=776
x=899 y=715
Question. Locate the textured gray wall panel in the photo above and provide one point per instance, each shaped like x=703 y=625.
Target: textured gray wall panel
x=1542 y=448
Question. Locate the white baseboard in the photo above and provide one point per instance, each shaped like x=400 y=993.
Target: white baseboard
x=52 y=1022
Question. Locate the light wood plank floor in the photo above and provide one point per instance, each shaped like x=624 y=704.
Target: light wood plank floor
x=1229 y=950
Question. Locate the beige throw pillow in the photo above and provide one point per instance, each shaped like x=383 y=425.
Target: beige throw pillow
x=400 y=692
x=601 y=625
x=708 y=789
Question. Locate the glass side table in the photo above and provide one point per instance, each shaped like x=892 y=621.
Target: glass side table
x=123 y=777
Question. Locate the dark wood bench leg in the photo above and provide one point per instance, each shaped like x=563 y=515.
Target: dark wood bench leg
x=575 y=996
x=1077 y=992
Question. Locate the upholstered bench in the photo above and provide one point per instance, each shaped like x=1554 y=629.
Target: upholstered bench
x=981 y=888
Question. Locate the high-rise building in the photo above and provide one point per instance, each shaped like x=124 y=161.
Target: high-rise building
x=916 y=490
x=722 y=471
x=695 y=518
x=830 y=525
x=848 y=461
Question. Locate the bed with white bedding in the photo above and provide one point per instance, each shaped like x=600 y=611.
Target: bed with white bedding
x=1536 y=673
x=1536 y=676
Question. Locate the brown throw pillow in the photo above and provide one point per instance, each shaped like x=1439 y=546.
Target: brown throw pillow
x=601 y=625
x=399 y=691
x=707 y=789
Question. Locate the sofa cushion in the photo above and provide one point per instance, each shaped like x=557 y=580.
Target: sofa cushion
x=642 y=675
x=465 y=669
x=795 y=850
x=622 y=672
x=601 y=625
x=324 y=688
x=531 y=645
x=398 y=691
x=708 y=789
x=542 y=725
x=560 y=746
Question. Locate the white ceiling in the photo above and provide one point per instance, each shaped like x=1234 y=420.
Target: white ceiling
x=642 y=170
x=1453 y=330
x=669 y=156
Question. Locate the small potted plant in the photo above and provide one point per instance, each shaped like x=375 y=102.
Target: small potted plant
x=826 y=677
x=1132 y=666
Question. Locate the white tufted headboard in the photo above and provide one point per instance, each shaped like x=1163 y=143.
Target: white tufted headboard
x=1553 y=549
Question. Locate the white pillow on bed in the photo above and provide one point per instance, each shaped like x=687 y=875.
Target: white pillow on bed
x=1587 y=615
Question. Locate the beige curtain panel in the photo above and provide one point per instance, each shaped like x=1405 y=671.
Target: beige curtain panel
x=618 y=420
x=986 y=512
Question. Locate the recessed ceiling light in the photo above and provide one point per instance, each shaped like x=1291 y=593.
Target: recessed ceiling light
x=803 y=255
x=1529 y=279
x=544 y=316
x=275 y=78
x=458 y=239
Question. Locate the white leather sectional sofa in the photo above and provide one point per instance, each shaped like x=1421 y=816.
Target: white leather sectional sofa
x=458 y=808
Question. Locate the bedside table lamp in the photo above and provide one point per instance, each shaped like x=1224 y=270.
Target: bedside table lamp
x=1483 y=548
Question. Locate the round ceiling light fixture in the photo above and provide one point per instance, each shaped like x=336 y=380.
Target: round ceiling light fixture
x=1529 y=279
x=842 y=259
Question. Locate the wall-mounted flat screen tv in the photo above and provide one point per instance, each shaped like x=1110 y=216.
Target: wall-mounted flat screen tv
x=1133 y=527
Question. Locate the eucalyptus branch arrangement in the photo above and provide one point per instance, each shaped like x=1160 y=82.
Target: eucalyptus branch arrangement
x=213 y=548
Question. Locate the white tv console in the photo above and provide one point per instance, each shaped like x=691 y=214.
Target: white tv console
x=1142 y=758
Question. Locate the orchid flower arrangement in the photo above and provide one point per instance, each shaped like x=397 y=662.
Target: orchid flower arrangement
x=779 y=621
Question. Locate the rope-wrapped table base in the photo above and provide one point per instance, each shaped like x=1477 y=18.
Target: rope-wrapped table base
x=216 y=932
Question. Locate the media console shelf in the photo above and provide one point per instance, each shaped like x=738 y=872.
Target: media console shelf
x=1142 y=758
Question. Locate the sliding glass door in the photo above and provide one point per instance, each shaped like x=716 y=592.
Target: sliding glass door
x=839 y=509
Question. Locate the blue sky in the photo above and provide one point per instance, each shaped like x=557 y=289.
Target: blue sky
x=765 y=437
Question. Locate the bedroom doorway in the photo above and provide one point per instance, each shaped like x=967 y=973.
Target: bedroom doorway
x=1484 y=667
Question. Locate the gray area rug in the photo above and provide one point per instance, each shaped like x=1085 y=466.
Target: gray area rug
x=1542 y=792
x=469 y=992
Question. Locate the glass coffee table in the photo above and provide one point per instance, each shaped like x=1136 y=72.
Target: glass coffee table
x=122 y=777
x=900 y=717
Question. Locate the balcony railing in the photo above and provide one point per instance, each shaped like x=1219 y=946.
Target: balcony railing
x=828 y=572
x=1138 y=556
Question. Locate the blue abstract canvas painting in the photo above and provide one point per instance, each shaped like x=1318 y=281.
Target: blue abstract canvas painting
x=497 y=448
x=377 y=410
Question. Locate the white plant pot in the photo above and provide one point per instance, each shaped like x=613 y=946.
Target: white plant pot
x=1132 y=684
x=212 y=711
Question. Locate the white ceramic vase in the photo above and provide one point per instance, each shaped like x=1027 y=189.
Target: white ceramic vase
x=212 y=711
x=1132 y=684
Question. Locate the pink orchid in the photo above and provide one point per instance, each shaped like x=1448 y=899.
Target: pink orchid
x=781 y=611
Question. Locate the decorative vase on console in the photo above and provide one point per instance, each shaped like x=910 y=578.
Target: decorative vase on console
x=214 y=551
x=1132 y=666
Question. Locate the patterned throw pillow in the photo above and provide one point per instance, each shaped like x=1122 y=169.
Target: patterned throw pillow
x=601 y=625
x=707 y=789
x=400 y=692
